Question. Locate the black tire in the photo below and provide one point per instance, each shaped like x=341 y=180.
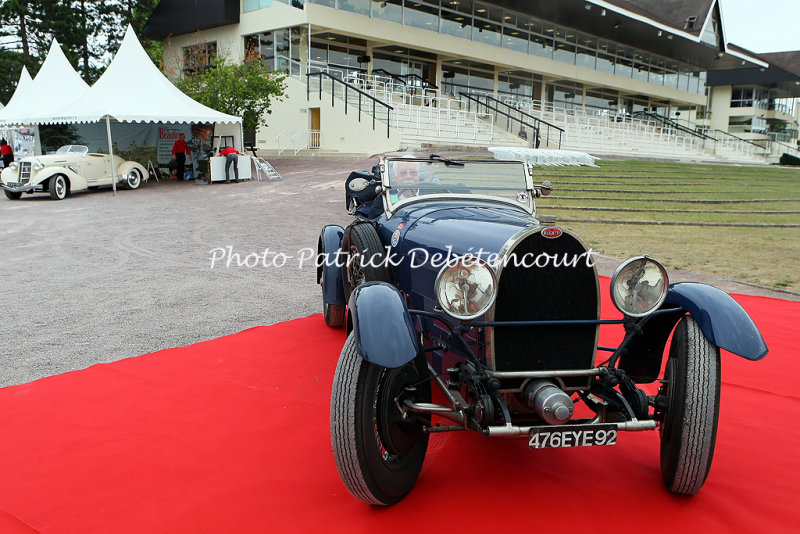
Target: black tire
x=378 y=455
x=333 y=314
x=689 y=425
x=365 y=257
x=133 y=179
x=11 y=195
x=59 y=187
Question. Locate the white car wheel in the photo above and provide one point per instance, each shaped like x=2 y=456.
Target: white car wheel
x=58 y=187
x=133 y=179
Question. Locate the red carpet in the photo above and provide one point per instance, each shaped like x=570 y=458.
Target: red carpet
x=231 y=436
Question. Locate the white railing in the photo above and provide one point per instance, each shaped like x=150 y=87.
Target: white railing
x=430 y=112
x=282 y=141
x=314 y=138
x=442 y=123
x=300 y=141
x=304 y=140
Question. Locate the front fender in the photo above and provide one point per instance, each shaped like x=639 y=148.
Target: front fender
x=722 y=320
x=76 y=181
x=126 y=167
x=382 y=325
x=329 y=273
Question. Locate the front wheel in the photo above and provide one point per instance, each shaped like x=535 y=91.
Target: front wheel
x=378 y=453
x=133 y=179
x=691 y=392
x=12 y=195
x=58 y=187
x=333 y=314
x=365 y=259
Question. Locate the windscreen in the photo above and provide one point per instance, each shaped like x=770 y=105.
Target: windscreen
x=412 y=178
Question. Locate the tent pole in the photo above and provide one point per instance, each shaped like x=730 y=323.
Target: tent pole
x=111 y=153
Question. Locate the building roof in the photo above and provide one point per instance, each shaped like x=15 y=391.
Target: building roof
x=177 y=17
x=788 y=61
x=674 y=13
x=658 y=26
x=782 y=73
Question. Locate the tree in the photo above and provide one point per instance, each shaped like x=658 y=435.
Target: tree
x=136 y=13
x=245 y=90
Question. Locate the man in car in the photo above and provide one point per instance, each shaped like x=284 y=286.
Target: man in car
x=406 y=178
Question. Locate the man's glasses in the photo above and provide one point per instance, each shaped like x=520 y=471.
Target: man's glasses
x=407 y=172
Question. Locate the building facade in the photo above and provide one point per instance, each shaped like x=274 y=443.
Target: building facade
x=602 y=58
x=758 y=104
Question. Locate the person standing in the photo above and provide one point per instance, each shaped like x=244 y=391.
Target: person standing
x=179 y=151
x=231 y=158
x=538 y=138
x=6 y=152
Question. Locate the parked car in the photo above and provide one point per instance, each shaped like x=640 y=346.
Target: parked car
x=448 y=280
x=71 y=168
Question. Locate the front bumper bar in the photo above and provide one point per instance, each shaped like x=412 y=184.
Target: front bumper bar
x=19 y=188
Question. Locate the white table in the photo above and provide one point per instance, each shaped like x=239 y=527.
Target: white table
x=217 y=168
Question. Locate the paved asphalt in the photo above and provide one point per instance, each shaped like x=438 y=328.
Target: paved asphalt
x=97 y=277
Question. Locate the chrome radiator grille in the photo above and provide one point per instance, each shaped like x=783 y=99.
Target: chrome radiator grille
x=24 y=172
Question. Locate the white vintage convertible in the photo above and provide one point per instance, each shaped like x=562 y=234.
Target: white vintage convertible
x=71 y=168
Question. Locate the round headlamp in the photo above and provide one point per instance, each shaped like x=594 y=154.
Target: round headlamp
x=13 y=164
x=639 y=286
x=466 y=287
x=38 y=166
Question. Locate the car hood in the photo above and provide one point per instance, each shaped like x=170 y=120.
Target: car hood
x=53 y=159
x=452 y=226
x=425 y=235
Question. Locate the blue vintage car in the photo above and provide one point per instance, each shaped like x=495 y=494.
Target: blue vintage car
x=447 y=280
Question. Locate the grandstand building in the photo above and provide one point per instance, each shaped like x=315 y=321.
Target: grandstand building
x=367 y=76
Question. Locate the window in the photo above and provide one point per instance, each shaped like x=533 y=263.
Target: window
x=457 y=24
x=422 y=16
x=391 y=10
x=542 y=47
x=252 y=5
x=515 y=39
x=197 y=58
x=564 y=52
x=486 y=32
x=355 y=6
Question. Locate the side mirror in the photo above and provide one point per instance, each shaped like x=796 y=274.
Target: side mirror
x=357 y=185
x=546 y=188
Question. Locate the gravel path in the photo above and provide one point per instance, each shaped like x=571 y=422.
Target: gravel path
x=98 y=278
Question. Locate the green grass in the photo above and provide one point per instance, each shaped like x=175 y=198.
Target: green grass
x=675 y=212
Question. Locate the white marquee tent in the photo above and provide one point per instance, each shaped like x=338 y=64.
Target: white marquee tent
x=132 y=89
x=55 y=83
x=22 y=86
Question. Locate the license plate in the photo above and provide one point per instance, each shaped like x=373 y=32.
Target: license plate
x=572 y=436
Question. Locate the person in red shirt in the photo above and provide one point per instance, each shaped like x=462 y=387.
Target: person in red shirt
x=6 y=152
x=179 y=151
x=231 y=158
